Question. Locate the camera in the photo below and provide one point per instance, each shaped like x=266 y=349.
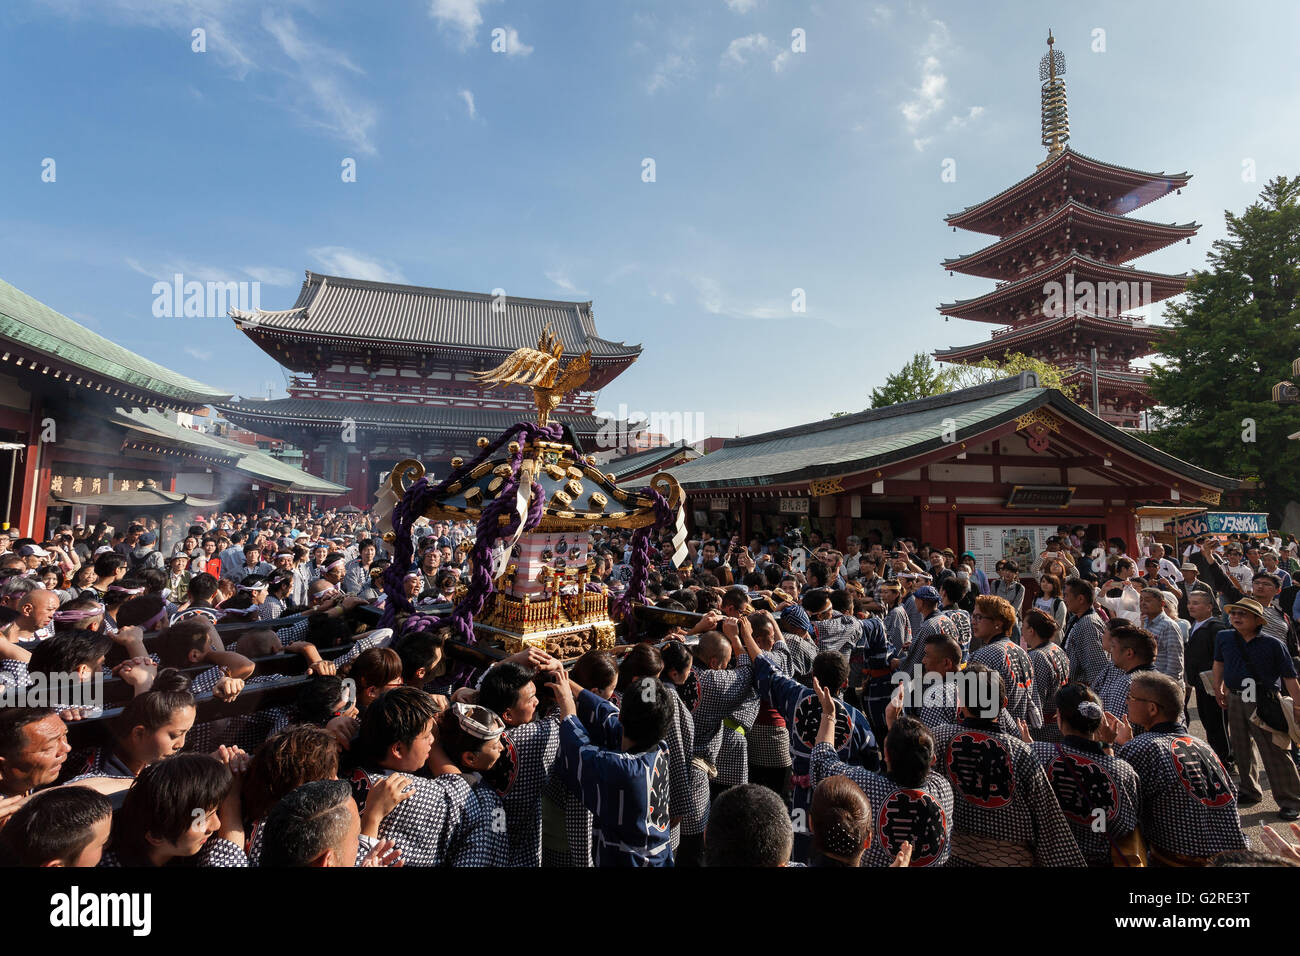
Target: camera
x=792 y=539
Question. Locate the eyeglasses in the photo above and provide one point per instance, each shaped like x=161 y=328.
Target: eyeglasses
x=1144 y=700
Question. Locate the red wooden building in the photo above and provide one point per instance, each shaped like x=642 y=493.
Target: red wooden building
x=89 y=428
x=993 y=469
x=1062 y=263
x=382 y=372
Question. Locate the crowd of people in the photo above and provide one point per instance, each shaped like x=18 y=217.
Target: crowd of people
x=786 y=705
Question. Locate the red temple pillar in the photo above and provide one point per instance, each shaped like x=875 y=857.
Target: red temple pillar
x=1121 y=522
x=357 y=456
x=35 y=478
x=843 y=520
x=934 y=524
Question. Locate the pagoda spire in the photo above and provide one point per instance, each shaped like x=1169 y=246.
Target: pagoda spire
x=1056 y=116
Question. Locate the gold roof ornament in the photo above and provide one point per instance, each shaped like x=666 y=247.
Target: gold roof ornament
x=539 y=369
x=1056 y=116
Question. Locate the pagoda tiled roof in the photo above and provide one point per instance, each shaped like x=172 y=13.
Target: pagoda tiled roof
x=1066 y=212
x=1061 y=162
x=380 y=314
x=322 y=413
x=32 y=327
x=879 y=437
x=1085 y=266
x=1007 y=339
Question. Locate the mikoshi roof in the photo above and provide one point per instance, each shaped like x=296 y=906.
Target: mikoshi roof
x=377 y=312
x=578 y=495
x=31 y=325
x=256 y=464
x=883 y=436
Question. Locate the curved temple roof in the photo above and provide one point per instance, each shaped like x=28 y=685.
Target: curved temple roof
x=28 y=323
x=374 y=314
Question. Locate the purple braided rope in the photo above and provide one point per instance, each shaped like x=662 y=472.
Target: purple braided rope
x=413 y=504
x=487 y=533
x=635 y=591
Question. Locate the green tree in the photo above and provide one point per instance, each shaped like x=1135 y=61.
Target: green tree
x=919 y=378
x=964 y=375
x=1231 y=340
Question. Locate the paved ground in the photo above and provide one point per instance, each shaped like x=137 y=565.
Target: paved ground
x=1252 y=818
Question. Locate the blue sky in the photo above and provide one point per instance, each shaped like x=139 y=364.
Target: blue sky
x=775 y=170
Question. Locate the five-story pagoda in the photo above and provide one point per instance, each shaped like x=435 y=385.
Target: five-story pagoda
x=1065 y=285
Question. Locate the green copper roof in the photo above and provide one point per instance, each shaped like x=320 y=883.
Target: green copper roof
x=26 y=322
x=881 y=436
x=257 y=464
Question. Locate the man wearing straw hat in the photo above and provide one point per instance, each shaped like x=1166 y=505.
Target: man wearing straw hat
x=1248 y=664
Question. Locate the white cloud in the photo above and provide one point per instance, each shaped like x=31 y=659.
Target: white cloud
x=711 y=298
x=514 y=45
x=339 y=260
x=739 y=49
x=269 y=275
x=189 y=270
x=199 y=354
x=928 y=97
x=881 y=14
x=316 y=94
x=460 y=17
x=468 y=97
x=563 y=282
x=218 y=19
x=671 y=69
x=742 y=6
x=329 y=104
x=779 y=61
x=920 y=143
x=973 y=113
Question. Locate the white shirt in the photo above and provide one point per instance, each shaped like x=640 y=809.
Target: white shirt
x=1170 y=570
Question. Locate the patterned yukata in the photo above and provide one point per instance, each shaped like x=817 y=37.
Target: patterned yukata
x=1051 y=672
x=1111 y=685
x=921 y=817
x=939 y=706
x=1086 y=779
x=869 y=667
x=801 y=651
x=1006 y=813
x=627 y=794
x=1082 y=643
x=215 y=852
x=962 y=620
x=726 y=697
x=1012 y=664
x=899 y=628
x=1187 y=801
x=839 y=633
x=446 y=821
x=798 y=704
x=935 y=624
x=528 y=756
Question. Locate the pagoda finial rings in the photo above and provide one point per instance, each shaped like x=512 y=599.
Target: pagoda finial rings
x=405 y=473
